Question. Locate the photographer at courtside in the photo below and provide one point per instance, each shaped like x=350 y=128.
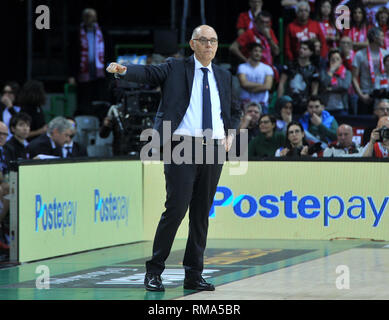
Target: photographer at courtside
x=378 y=146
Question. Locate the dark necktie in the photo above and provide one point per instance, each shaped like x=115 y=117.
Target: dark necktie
x=68 y=151
x=207 y=109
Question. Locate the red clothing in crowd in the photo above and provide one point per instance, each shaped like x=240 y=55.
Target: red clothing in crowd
x=357 y=34
x=295 y=33
x=252 y=35
x=246 y=21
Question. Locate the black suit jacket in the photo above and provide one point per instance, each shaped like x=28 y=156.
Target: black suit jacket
x=14 y=150
x=78 y=151
x=175 y=77
x=42 y=145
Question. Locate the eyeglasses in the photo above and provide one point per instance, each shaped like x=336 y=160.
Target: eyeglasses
x=8 y=91
x=294 y=131
x=264 y=121
x=204 y=41
x=5 y=134
x=383 y=109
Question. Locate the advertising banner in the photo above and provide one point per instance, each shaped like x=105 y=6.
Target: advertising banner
x=72 y=207
x=289 y=200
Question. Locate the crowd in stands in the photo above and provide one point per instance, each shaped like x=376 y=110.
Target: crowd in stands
x=298 y=108
x=331 y=86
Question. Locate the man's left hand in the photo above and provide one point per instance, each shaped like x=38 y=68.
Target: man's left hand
x=228 y=142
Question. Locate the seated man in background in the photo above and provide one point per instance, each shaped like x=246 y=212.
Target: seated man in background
x=381 y=108
x=319 y=124
x=378 y=146
x=16 y=147
x=72 y=149
x=300 y=78
x=255 y=78
x=49 y=145
x=250 y=120
x=344 y=146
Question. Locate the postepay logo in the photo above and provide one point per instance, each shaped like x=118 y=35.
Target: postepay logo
x=269 y=206
x=111 y=208
x=55 y=215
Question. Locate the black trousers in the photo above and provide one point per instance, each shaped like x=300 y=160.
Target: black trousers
x=190 y=186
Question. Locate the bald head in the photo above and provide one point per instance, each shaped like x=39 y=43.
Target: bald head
x=199 y=29
x=345 y=135
x=89 y=16
x=204 y=43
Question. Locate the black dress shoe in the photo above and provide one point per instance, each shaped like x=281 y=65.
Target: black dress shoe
x=153 y=282
x=198 y=284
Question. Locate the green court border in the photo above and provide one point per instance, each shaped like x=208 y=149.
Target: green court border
x=115 y=255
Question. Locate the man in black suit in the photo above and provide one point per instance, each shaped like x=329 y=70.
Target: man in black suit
x=16 y=147
x=72 y=149
x=196 y=104
x=49 y=145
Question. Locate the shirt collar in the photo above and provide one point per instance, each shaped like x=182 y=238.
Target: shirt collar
x=198 y=65
x=52 y=142
x=68 y=144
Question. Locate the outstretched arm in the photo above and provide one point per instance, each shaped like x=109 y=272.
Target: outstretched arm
x=154 y=75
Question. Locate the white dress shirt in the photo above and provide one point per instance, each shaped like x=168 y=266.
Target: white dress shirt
x=192 y=123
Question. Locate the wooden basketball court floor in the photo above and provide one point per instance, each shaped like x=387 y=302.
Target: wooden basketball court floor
x=239 y=269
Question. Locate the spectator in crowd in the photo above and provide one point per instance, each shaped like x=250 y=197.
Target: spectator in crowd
x=31 y=99
x=268 y=140
x=289 y=9
x=319 y=125
x=317 y=60
x=344 y=145
x=284 y=112
x=300 y=79
x=8 y=101
x=372 y=7
x=302 y=29
x=72 y=149
x=381 y=109
x=246 y=20
x=252 y=112
x=348 y=54
x=3 y=139
x=49 y=145
x=16 y=147
x=326 y=19
x=367 y=67
x=335 y=83
x=346 y=49
x=359 y=27
x=255 y=78
x=263 y=34
x=378 y=146
x=296 y=145
x=4 y=190
x=382 y=17
x=88 y=64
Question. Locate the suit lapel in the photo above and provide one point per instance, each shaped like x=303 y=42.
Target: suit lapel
x=189 y=71
x=219 y=83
